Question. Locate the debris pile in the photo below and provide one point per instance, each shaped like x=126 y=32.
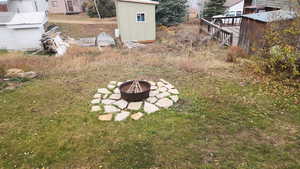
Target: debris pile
x=54 y=43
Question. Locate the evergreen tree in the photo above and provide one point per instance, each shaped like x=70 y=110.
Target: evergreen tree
x=171 y=12
x=106 y=8
x=213 y=7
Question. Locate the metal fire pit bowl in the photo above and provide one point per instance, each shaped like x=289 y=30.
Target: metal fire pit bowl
x=134 y=97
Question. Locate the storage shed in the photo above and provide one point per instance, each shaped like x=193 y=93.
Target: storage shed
x=253 y=27
x=136 y=20
x=21 y=31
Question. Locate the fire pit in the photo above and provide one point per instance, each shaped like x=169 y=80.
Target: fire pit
x=135 y=90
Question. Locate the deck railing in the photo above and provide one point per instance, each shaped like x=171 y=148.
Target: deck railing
x=216 y=32
x=228 y=21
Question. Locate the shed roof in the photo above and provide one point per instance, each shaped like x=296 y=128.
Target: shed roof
x=28 y=18
x=230 y=3
x=141 y=1
x=271 y=16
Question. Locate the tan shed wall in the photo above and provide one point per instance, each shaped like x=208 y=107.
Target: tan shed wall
x=130 y=29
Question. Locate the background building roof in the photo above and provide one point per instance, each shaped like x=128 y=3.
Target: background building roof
x=230 y=3
x=271 y=16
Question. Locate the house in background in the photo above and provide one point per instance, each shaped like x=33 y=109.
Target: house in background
x=136 y=20
x=234 y=7
x=256 y=6
x=66 y=6
x=22 y=24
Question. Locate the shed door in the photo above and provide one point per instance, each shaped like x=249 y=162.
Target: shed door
x=3 y=8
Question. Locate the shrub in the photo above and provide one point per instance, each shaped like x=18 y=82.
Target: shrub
x=280 y=53
x=235 y=52
x=106 y=8
x=171 y=12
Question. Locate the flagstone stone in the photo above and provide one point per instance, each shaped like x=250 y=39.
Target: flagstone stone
x=119 y=84
x=134 y=105
x=160 y=84
x=122 y=104
x=122 y=116
x=163 y=89
x=165 y=82
x=117 y=90
x=111 y=109
x=115 y=96
x=108 y=101
x=95 y=101
x=104 y=91
x=175 y=98
x=105 y=96
x=96 y=108
x=105 y=117
x=153 y=93
x=150 y=108
x=164 y=103
x=174 y=91
x=162 y=95
x=152 y=99
x=97 y=96
x=113 y=83
x=137 y=116
x=152 y=83
x=111 y=86
x=153 y=87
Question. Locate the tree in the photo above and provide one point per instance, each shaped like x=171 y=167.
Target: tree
x=171 y=12
x=213 y=7
x=106 y=8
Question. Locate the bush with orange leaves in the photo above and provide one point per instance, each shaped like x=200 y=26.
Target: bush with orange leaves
x=235 y=52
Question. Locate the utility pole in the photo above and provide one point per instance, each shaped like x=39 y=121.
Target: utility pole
x=95 y=3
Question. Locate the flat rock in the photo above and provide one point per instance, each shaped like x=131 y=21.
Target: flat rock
x=152 y=100
x=122 y=104
x=96 y=108
x=162 y=89
x=110 y=86
x=137 y=116
x=169 y=86
x=153 y=93
x=111 y=109
x=13 y=72
x=97 y=96
x=104 y=91
x=117 y=91
x=134 y=105
x=122 y=116
x=150 y=108
x=113 y=82
x=163 y=94
x=119 y=83
x=153 y=87
x=108 y=101
x=28 y=75
x=95 y=101
x=105 y=96
x=165 y=82
x=160 y=84
x=106 y=117
x=115 y=96
x=152 y=83
x=175 y=98
x=164 y=103
x=173 y=91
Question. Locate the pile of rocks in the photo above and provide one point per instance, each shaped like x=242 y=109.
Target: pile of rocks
x=107 y=101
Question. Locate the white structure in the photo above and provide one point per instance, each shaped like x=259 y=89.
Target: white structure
x=22 y=25
x=234 y=7
x=136 y=20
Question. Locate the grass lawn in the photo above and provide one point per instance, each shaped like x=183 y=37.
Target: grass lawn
x=226 y=118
